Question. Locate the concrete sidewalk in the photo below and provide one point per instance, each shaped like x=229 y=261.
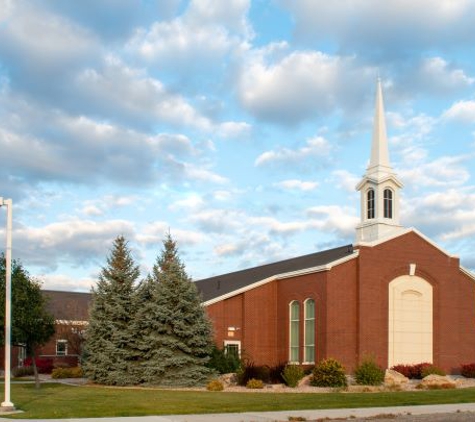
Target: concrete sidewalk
x=309 y=415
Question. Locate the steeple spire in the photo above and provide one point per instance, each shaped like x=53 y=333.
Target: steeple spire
x=379 y=147
x=379 y=187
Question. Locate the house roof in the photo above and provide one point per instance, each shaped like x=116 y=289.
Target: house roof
x=68 y=306
x=222 y=285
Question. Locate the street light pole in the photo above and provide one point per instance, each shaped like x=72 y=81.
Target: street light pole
x=7 y=404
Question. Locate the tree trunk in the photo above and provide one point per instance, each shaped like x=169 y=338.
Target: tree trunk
x=35 y=370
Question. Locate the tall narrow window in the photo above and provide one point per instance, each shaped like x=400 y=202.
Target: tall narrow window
x=370 y=203
x=309 y=350
x=388 y=203
x=294 y=331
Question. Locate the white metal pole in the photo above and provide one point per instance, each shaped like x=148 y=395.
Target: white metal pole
x=7 y=404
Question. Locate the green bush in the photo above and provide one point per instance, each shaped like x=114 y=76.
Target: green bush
x=328 y=373
x=223 y=362
x=254 y=384
x=292 y=374
x=22 y=371
x=369 y=372
x=431 y=370
x=215 y=385
x=59 y=373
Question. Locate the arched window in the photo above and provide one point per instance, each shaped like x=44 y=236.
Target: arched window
x=388 y=203
x=309 y=340
x=370 y=203
x=294 y=331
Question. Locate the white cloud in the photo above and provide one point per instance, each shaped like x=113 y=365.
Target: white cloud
x=154 y=233
x=461 y=111
x=315 y=148
x=385 y=28
x=63 y=282
x=5 y=10
x=445 y=172
x=74 y=242
x=334 y=219
x=438 y=70
x=295 y=184
x=231 y=14
x=346 y=180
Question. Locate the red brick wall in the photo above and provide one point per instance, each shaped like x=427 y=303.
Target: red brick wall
x=453 y=298
x=342 y=317
x=352 y=308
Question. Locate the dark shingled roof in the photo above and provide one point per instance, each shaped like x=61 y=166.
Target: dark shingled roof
x=72 y=306
x=213 y=287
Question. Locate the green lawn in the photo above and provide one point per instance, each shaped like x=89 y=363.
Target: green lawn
x=61 y=401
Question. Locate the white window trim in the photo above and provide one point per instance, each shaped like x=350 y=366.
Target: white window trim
x=290 y=332
x=307 y=362
x=233 y=343
x=65 y=342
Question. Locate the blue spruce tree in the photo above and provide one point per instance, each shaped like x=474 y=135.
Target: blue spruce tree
x=175 y=334
x=110 y=354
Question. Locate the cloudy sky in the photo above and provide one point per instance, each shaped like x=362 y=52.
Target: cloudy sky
x=242 y=128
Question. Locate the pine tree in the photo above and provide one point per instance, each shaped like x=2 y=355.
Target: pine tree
x=175 y=332
x=109 y=351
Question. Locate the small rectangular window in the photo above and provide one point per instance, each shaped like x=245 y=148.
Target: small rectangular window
x=61 y=347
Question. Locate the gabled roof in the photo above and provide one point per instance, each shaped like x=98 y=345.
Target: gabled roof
x=225 y=284
x=68 y=306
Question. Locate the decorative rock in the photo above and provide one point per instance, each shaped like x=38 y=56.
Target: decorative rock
x=437 y=381
x=228 y=380
x=393 y=378
x=305 y=381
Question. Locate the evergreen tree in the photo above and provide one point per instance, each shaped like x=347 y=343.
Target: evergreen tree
x=109 y=350
x=175 y=333
x=32 y=325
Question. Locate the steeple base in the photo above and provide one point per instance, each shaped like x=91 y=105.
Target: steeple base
x=372 y=231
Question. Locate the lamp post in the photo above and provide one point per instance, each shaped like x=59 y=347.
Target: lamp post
x=7 y=404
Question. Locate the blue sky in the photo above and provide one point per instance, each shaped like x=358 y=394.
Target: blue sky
x=240 y=127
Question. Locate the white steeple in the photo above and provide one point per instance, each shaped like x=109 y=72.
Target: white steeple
x=379 y=187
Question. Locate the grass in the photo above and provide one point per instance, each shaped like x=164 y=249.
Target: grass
x=61 y=401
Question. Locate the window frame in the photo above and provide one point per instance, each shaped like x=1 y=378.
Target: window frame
x=308 y=320
x=370 y=204
x=232 y=343
x=294 y=333
x=63 y=342
x=388 y=203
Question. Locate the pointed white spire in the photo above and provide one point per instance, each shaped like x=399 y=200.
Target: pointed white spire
x=380 y=186
x=379 y=146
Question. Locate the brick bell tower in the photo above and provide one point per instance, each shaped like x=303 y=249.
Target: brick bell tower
x=379 y=189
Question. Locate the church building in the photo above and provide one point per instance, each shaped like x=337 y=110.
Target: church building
x=394 y=295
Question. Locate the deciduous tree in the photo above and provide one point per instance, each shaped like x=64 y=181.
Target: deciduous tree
x=32 y=325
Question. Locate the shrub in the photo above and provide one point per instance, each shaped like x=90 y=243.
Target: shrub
x=292 y=374
x=431 y=370
x=369 y=373
x=254 y=384
x=22 y=371
x=59 y=373
x=215 y=385
x=275 y=373
x=44 y=365
x=223 y=362
x=411 y=371
x=250 y=371
x=328 y=373
x=468 y=370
